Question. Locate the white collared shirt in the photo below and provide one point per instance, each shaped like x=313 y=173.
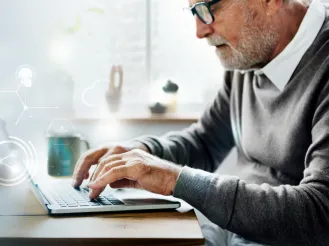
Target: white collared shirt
x=281 y=68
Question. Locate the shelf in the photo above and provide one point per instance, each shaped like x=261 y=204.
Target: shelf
x=184 y=114
x=164 y=118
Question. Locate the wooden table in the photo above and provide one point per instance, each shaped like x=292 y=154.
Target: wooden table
x=17 y=227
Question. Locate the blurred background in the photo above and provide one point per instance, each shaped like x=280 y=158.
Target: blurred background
x=98 y=66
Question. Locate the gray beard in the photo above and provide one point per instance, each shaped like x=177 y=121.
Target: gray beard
x=254 y=48
x=252 y=53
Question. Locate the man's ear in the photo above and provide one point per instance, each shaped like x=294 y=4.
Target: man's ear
x=272 y=6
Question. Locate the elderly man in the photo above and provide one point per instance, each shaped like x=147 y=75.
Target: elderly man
x=273 y=106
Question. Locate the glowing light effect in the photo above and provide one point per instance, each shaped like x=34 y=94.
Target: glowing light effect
x=110 y=127
x=25 y=75
x=61 y=51
x=114 y=127
x=15 y=168
x=21 y=166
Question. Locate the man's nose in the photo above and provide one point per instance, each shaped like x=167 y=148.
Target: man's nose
x=202 y=30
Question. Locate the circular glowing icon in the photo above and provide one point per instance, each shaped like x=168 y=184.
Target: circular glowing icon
x=17 y=164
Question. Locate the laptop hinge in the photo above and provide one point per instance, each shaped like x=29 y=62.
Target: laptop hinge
x=40 y=197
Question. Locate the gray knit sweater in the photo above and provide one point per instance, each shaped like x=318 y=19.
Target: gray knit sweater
x=281 y=196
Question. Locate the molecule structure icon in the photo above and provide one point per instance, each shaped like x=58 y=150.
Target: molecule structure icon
x=26 y=75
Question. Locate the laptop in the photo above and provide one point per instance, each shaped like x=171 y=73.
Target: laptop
x=58 y=197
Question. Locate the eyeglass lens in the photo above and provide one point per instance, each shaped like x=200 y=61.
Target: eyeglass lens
x=204 y=14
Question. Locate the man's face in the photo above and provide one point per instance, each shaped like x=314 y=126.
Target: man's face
x=242 y=34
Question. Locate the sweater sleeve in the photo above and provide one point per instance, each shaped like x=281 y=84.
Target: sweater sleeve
x=203 y=145
x=282 y=215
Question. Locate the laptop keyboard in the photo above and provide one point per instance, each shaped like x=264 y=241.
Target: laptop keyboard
x=70 y=197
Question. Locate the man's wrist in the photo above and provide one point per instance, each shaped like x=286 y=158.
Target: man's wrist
x=177 y=170
x=139 y=145
x=136 y=144
x=144 y=148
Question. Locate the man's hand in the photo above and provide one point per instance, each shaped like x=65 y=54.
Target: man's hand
x=136 y=169
x=94 y=156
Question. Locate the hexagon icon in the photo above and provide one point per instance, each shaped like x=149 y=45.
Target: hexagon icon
x=61 y=128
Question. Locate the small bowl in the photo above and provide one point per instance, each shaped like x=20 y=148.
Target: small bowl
x=158 y=108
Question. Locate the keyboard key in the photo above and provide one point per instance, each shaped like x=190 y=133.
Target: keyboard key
x=80 y=200
x=117 y=202
x=84 y=202
x=68 y=197
x=114 y=200
x=73 y=205
x=93 y=203
x=109 y=197
x=105 y=202
x=68 y=200
x=101 y=198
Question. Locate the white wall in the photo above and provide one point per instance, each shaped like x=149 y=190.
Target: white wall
x=178 y=54
x=71 y=44
x=29 y=31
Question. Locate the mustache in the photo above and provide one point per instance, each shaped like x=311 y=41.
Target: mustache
x=216 y=41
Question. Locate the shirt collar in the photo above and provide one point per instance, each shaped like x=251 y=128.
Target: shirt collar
x=281 y=68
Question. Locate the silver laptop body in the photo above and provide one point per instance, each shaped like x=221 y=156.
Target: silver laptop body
x=59 y=197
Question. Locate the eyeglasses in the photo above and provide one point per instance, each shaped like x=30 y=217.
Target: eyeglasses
x=203 y=11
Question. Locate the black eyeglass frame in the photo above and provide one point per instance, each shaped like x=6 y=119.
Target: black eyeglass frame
x=208 y=5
